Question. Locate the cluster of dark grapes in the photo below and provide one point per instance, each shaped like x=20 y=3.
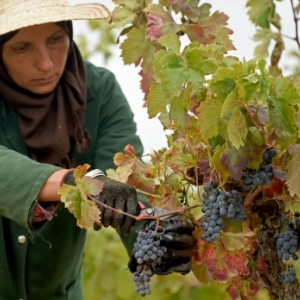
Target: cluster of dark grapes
x=288 y=276
x=287 y=244
x=218 y=204
x=263 y=176
x=148 y=253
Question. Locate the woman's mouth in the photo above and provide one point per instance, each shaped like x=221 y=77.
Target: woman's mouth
x=45 y=79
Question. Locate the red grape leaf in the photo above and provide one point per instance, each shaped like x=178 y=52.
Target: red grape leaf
x=242 y=288
x=216 y=261
x=196 y=33
x=160 y=22
x=201 y=247
x=261 y=265
x=237 y=262
x=131 y=170
x=273 y=189
x=219 y=262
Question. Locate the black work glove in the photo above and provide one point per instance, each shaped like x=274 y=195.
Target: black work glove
x=117 y=195
x=180 y=244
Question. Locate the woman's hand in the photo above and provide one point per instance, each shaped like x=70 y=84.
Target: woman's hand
x=180 y=243
x=119 y=196
x=116 y=195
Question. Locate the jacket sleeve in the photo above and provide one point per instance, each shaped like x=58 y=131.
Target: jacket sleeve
x=21 y=180
x=116 y=129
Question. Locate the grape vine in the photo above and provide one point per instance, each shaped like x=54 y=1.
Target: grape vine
x=232 y=128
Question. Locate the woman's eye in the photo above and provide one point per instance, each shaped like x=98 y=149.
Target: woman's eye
x=56 y=38
x=21 y=49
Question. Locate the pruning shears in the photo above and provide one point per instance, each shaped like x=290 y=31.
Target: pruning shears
x=154 y=211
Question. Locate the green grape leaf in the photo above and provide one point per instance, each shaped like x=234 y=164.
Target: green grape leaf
x=195 y=60
x=230 y=104
x=156 y=101
x=293 y=172
x=201 y=273
x=260 y=12
x=136 y=48
x=223 y=87
x=209 y=115
x=256 y=135
x=172 y=42
x=285 y=88
x=264 y=36
x=166 y=60
x=123 y=16
x=178 y=108
x=128 y=12
x=282 y=122
x=77 y=198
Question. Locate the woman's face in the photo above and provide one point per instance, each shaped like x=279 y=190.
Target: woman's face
x=36 y=56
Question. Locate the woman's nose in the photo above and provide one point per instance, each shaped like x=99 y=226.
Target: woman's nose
x=43 y=59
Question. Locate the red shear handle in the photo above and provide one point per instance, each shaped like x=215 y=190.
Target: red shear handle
x=142 y=205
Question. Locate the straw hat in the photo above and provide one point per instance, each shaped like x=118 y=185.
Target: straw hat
x=16 y=14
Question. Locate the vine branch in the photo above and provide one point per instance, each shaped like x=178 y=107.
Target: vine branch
x=296 y=24
x=176 y=211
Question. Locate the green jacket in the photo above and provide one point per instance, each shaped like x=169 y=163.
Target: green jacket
x=46 y=263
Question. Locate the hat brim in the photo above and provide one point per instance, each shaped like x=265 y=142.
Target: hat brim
x=19 y=18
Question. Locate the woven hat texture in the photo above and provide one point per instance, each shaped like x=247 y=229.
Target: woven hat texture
x=16 y=14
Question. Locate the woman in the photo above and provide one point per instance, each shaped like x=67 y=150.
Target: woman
x=56 y=112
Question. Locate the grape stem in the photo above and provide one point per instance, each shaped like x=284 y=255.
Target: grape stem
x=176 y=211
x=148 y=194
x=248 y=204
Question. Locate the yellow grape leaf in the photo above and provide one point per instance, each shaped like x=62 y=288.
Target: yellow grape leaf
x=237 y=129
x=236 y=241
x=77 y=198
x=293 y=172
x=80 y=171
x=209 y=116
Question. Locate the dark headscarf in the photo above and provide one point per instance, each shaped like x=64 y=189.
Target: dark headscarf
x=51 y=124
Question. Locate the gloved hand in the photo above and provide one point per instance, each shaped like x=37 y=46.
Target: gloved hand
x=180 y=244
x=115 y=194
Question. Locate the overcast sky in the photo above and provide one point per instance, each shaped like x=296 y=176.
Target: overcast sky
x=151 y=131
